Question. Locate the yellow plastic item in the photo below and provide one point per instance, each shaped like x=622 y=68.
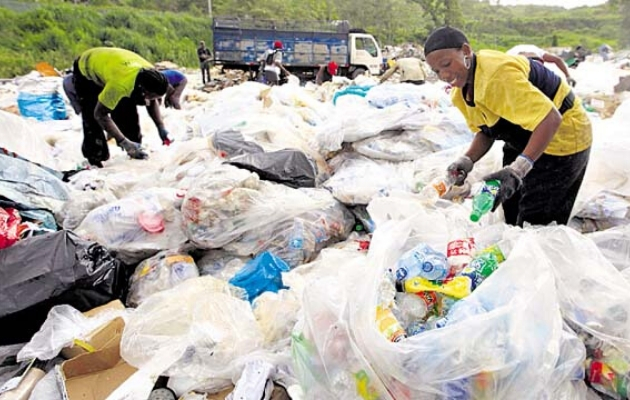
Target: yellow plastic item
x=388 y=325
x=84 y=345
x=494 y=249
x=457 y=288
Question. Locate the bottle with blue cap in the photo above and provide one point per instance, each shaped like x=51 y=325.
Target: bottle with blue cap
x=424 y=262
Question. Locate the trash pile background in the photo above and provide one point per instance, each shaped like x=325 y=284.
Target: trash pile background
x=241 y=253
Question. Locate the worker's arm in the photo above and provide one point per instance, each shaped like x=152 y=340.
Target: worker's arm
x=320 y=75
x=480 y=145
x=279 y=65
x=154 y=112
x=389 y=73
x=550 y=58
x=102 y=116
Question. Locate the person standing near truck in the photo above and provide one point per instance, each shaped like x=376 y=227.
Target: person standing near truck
x=205 y=58
x=273 y=64
x=326 y=73
x=411 y=71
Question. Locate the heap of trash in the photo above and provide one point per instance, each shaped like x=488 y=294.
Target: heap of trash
x=291 y=244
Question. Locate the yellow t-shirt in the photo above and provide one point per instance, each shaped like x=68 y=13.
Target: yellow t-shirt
x=512 y=90
x=113 y=69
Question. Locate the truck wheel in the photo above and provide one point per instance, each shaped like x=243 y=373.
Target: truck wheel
x=358 y=72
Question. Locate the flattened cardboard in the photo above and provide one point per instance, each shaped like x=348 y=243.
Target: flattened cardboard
x=100 y=337
x=94 y=376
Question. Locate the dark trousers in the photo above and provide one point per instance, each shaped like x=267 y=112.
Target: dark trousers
x=549 y=190
x=125 y=116
x=204 y=65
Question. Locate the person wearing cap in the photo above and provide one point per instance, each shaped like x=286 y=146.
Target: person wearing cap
x=411 y=71
x=273 y=64
x=536 y=53
x=205 y=58
x=176 y=85
x=326 y=73
x=110 y=83
x=546 y=131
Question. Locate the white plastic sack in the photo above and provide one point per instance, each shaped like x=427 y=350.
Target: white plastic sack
x=137 y=226
x=79 y=206
x=201 y=319
x=614 y=244
x=221 y=264
x=276 y=314
x=22 y=137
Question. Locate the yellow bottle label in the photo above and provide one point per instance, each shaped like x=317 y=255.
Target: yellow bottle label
x=458 y=287
x=494 y=249
x=388 y=325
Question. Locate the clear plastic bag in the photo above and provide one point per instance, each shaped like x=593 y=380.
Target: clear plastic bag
x=63 y=325
x=221 y=264
x=79 y=206
x=137 y=226
x=201 y=323
x=228 y=203
x=614 y=244
x=161 y=272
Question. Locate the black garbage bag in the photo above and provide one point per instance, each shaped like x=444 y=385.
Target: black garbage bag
x=57 y=268
x=232 y=143
x=290 y=167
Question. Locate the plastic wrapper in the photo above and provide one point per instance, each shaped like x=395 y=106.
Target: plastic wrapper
x=161 y=272
x=10 y=222
x=499 y=356
x=62 y=269
x=79 y=206
x=299 y=239
x=137 y=226
x=63 y=325
x=262 y=274
x=198 y=319
x=357 y=179
x=228 y=203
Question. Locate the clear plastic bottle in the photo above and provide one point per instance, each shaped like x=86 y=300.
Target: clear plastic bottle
x=484 y=200
x=424 y=262
x=461 y=246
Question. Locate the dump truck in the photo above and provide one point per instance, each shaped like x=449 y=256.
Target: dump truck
x=240 y=43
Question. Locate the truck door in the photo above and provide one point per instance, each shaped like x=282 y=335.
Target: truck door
x=365 y=52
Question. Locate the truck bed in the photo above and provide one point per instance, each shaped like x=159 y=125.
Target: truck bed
x=242 y=42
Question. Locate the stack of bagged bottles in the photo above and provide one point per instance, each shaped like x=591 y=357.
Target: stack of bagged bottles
x=428 y=283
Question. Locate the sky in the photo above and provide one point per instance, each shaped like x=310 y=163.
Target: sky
x=563 y=3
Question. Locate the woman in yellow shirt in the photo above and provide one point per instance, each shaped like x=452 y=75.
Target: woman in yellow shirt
x=546 y=131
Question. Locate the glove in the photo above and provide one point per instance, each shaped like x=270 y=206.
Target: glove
x=459 y=170
x=134 y=150
x=166 y=137
x=571 y=82
x=510 y=179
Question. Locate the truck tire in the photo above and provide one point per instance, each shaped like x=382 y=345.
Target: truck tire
x=358 y=72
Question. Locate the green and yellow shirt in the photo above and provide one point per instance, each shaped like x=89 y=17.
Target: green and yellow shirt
x=113 y=69
x=512 y=95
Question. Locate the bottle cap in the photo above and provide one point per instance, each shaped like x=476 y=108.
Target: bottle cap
x=474 y=217
x=151 y=222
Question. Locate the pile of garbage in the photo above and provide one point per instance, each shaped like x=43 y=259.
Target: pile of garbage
x=292 y=244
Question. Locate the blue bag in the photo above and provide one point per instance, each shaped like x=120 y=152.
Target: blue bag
x=43 y=107
x=262 y=274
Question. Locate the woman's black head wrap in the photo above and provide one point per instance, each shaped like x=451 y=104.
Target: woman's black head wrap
x=444 y=38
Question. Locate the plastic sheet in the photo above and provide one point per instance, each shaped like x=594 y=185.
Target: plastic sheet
x=161 y=272
x=21 y=137
x=137 y=226
x=262 y=274
x=290 y=167
x=199 y=318
x=49 y=388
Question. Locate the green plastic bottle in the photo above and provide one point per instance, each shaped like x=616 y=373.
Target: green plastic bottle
x=484 y=200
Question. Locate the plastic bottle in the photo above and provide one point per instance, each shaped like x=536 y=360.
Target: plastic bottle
x=424 y=262
x=461 y=245
x=458 y=287
x=484 y=200
x=388 y=325
x=410 y=308
x=480 y=268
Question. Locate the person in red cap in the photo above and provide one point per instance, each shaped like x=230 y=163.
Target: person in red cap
x=273 y=64
x=326 y=73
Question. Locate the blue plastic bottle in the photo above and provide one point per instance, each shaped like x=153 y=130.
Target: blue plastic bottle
x=424 y=262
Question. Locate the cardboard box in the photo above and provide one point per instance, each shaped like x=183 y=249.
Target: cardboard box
x=221 y=395
x=94 y=376
x=605 y=105
x=100 y=337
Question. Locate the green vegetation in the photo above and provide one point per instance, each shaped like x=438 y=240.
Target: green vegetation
x=56 y=31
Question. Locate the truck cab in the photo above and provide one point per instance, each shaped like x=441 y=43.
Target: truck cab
x=365 y=54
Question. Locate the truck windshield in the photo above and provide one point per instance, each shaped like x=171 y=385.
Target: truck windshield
x=367 y=44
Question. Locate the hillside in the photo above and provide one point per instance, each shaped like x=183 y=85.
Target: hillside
x=57 y=31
